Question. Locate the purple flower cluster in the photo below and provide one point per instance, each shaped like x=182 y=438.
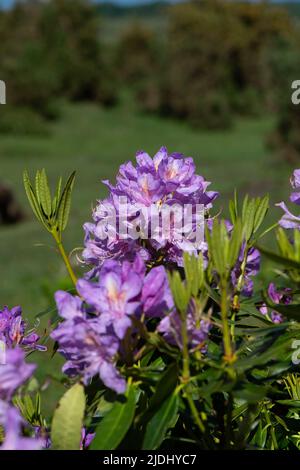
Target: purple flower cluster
x=95 y=324
x=289 y=220
x=13 y=423
x=13 y=374
x=277 y=296
x=13 y=330
x=167 y=179
x=197 y=329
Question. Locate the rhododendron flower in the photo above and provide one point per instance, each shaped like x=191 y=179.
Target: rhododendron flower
x=89 y=338
x=124 y=290
x=13 y=330
x=278 y=296
x=166 y=181
x=14 y=372
x=289 y=220
x=84 y=342
x=12 y=423
x=156 y=295
x=116 y=295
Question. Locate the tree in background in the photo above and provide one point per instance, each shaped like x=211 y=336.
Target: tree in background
x=71 y=34
x=48 y=51
x=286 y=136
x=213 y=62
x=140 y=63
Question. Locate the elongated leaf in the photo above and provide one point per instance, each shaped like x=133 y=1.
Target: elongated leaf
x=44 y=193
x=214 y=295
x=291 y=403
x=180 y=291
x=68 y=420
x=286 y=249
x=261 y=212
x=165 y=387
x=235 y=243
x=163 y=420
x=65 y=204
x=248 y=220
x=245 y=205
x=290 y=311
x=37 y=186
x=115 y=424
x=233 y=208
x=288 y=263
x=57 y=197
x=218 y=245
x=33 y=200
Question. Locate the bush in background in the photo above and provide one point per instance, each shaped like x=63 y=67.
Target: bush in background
x=49 y=51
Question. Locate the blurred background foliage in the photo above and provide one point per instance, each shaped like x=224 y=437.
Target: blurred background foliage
x=88 y=84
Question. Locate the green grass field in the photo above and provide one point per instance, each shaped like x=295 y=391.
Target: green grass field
x=94 y=142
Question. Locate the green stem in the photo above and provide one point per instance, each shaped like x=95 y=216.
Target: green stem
x=195 y=413
x=64 y=257
x=236 y=305
x=224 y=316
x=186 y=373
x=185 y=351
x=243 y=268
x=272 y=430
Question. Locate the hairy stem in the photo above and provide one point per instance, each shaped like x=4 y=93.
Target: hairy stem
x=64 y=257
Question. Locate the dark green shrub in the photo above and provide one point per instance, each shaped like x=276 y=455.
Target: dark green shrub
x=53 y=49
x=22 y=120
x=286 y=65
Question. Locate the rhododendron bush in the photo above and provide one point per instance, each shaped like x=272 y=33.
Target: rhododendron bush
x=167 y=340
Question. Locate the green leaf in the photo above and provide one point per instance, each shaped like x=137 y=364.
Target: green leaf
x=65 y=204
x=288 y=263
x=44 y=193
x=248 y=219
x=245 y=206
x=180 y=291
x=34 y=203
x=235 y=243
x=233 y=208
x=37 y=186
x=115 y=424
x=291 y=403
x=291 y=311
x=68 y=420
x=159 y=424
x=194 y=272
x=261 y=211
x=218 y=243
x=251 y=393
x=164 y=388
x=57 y=197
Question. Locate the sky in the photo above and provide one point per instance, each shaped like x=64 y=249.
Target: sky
x=6 y=3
